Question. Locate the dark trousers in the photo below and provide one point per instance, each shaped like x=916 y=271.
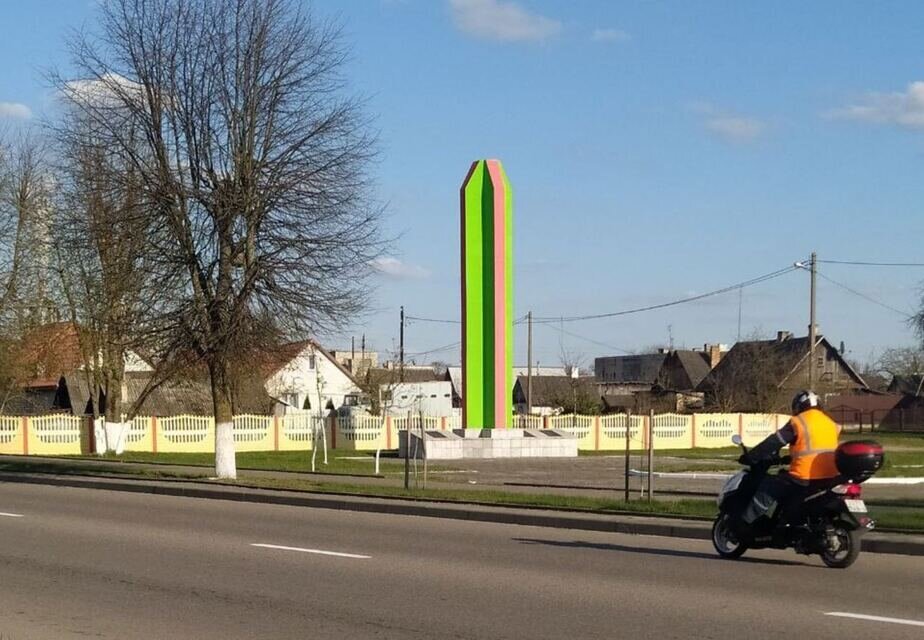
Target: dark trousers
x=776 y=493
x=780 y=497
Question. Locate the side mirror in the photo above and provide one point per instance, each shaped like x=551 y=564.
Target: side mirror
x=736 y=439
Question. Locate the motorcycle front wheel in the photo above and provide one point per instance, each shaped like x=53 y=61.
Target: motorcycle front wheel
x=724 y=540
x=842 y=547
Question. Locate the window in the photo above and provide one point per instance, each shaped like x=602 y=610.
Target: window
x=311 y=362
x=290 y=399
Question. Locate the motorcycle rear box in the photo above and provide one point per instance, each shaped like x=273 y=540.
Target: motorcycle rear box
x=859 y=460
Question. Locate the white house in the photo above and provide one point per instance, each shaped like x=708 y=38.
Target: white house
x=427 y=398
x=306 y=377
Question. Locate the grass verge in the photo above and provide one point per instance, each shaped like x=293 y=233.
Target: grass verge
x=340 y=462
x=890 y=514
x=901 y=459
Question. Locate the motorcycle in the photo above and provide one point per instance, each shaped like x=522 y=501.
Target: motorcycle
x=829 y=521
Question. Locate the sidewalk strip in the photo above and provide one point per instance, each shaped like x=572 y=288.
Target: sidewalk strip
x=861 y=616
x=315 y=551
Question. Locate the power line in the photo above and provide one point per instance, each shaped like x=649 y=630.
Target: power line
x=517 y=321
x=740 y=285
x=864 y=296
x=436 y=350
x=585 y=338
x=873 y=264
x=434 y=320
x=654 y=307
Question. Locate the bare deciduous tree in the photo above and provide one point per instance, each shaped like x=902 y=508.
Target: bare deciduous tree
x=25 y=216
x=901 y=361
x=253 y=161
x=749 y=378
x=102 y=240
x=25 y=222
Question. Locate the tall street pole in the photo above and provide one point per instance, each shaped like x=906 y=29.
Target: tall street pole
x=812 y=323
x=529 y=364
x=401 y=349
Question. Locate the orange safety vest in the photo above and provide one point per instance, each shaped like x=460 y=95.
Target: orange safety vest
x=813 y=451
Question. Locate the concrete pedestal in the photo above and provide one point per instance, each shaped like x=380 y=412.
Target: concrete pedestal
x=491 y=443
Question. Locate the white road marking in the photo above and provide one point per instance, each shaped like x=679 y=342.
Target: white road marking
x=316 y=551
x=861 y=616
x=11 y=515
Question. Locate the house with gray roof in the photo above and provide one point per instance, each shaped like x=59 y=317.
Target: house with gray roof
x=763 y=375
x=663 y=381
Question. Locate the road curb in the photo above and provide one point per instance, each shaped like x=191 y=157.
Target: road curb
x=536 y=517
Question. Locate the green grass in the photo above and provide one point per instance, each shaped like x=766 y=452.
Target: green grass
x=902 y=454
x=688 y=508
x=890 y=439
x=890 y=514
x=340 y=462
x=905 y=519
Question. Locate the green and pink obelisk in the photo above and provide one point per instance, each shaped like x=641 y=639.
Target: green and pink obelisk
x=487 y=297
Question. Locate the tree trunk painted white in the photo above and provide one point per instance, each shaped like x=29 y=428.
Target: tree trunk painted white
x=314 y=442
x=115 y=437
x=225 y=464
x=99 y=436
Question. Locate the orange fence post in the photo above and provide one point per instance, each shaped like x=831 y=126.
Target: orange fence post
x=153 y=434
x=388 y=432
x=443 y=423
x=25 y=435
x=275 y=433
x=597 y=432
x=740 y=425
x=693 y=432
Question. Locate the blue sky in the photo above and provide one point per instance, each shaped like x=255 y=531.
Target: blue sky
x=656 y=150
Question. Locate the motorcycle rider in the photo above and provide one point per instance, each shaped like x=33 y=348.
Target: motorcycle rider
x=812 y=437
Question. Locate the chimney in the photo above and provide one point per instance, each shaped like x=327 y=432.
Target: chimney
x=783 y=336
x=715 y=354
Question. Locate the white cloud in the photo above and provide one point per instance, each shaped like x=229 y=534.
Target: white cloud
x=110 y=90
x=15 y=110
x=610 y=35
x=395 y=268
x=501 y=20
x=902 y=108
x=730 y=127
x=736 y=128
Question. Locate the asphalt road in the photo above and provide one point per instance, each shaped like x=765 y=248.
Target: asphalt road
x=78 y=563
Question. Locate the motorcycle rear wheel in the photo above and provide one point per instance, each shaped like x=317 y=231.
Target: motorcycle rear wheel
x=848 y=548
x=724 y=540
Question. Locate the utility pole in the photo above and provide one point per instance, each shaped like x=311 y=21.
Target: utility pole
x=812 y=324
x=651 y=420
x=362 y=362
x=529 y=364
x=740 y=300
x=401 y=349
x=353 y=355
x=628 y=461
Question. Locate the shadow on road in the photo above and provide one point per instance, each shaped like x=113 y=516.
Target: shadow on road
x=677 y=553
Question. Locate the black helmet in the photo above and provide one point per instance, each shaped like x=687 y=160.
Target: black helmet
x=804 y=401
